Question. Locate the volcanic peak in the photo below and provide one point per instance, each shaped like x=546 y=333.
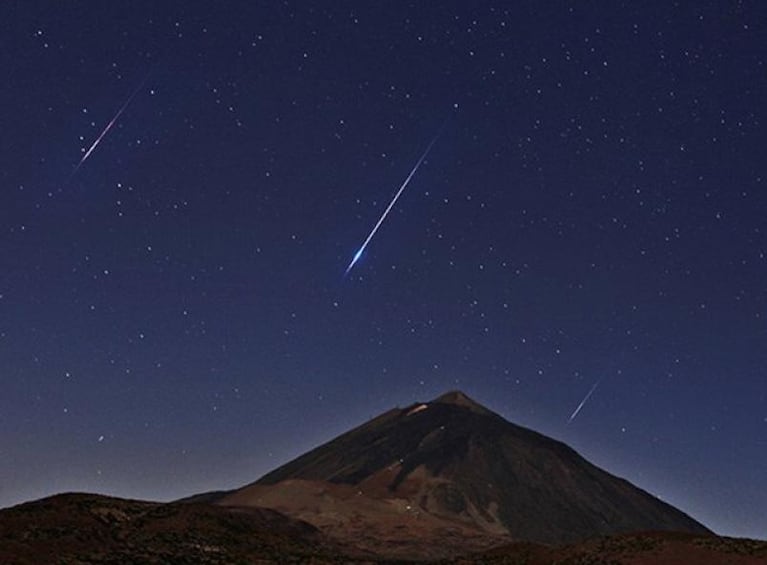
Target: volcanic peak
x=456 y=461
x=459 y=398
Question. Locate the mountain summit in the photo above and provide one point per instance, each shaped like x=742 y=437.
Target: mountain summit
x=458 y=398
x=452 y=465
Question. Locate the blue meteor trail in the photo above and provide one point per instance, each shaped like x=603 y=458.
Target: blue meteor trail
x=583 y=402
x=361 y=250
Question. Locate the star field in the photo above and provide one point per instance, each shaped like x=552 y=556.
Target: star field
x=174 y=315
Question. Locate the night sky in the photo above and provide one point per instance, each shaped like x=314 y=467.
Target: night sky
x=174 y=313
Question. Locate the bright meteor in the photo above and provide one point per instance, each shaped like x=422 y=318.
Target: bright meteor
x=361 y=250
x=110 y=124
x=583 y=402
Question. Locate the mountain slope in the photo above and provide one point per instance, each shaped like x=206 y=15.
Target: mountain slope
x=456 y=462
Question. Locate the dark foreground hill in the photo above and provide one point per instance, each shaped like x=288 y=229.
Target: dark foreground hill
x=91 y=529
x=87 y=528
x=437 y=478
x=646 y=548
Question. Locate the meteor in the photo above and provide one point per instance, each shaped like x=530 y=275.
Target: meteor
x=583 y=402
x=109 y=125
x=361 y=250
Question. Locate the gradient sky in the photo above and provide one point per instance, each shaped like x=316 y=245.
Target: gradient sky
x=174 y=315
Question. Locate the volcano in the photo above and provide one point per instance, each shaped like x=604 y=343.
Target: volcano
x=450 y=474
x=447 y=481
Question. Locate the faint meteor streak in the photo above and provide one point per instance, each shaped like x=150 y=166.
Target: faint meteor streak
x=361 y=250
x=583 y=402
x=110 y=124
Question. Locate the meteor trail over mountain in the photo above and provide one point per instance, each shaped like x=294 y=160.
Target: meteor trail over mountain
x=110 y=124
x=583 y=402
x=361 y=250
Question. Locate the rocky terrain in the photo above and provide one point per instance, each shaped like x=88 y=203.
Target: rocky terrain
x=92 y=529
x=86 y=528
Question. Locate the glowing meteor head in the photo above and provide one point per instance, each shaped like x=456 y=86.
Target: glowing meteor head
x=354 y=260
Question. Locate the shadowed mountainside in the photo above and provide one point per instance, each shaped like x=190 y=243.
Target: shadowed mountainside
x=453 y=466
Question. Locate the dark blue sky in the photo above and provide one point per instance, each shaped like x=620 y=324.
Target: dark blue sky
x=174 y=316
